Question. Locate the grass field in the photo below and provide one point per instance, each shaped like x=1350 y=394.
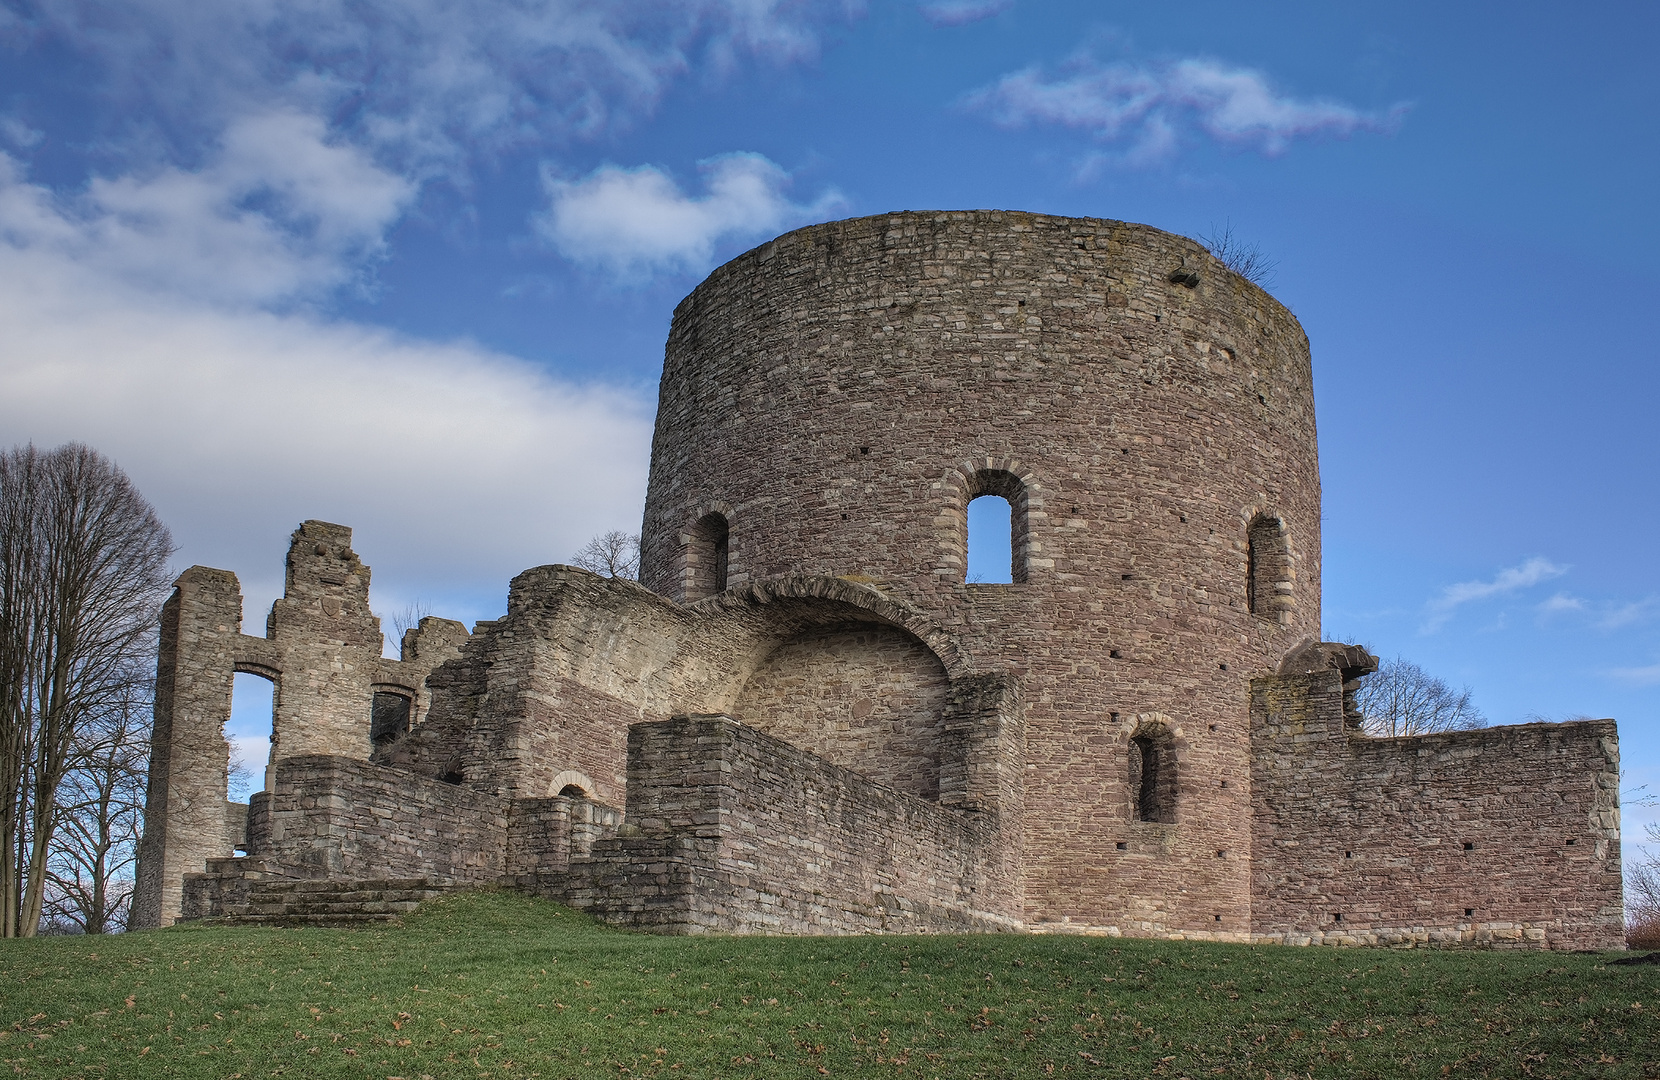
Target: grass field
x=498 y=985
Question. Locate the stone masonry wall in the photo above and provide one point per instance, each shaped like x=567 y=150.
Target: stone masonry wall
x=338 y=817
x=840 y=393
x=322 y=650
x=1505 y=836
x=870 y=698
x=732 y=830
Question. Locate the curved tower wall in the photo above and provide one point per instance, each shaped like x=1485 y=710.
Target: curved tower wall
x=836 y=397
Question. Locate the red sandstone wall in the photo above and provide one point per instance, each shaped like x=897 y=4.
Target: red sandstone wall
x=1507 y=836
x=870 y=698
x=834 y=393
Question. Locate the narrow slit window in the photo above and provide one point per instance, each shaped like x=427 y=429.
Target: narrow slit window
x=1268 y=569
x=1153 y=777
x=708 y=557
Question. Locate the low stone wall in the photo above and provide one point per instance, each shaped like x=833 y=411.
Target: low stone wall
x=1500 y=837
x=338 y=817
x=544 y=835
x=732 y=830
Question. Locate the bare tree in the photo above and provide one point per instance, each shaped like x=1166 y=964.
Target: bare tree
x=100 y=814
x=614 y=554
x=1246 y=260
x=404 y=620
x=1402 y=698
x=83 y=571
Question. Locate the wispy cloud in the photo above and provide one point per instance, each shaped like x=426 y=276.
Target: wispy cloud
x=962 y=12
x=427 y=83
x=239 y=423
x=633 y=221
x=1150 y=110
x=1642 y=676
x=1523 y=576
x=1601 y=614
x=279 y=211
x=1629 y=614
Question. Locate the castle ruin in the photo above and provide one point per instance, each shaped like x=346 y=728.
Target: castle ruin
x=804 y=719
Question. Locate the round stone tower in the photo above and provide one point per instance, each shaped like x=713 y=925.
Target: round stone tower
x=832 y=400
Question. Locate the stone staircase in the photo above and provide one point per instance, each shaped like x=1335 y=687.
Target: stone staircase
x=248 y=891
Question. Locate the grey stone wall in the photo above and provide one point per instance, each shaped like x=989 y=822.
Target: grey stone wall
x=322 y=650
x=732 y=830
x=339 y=817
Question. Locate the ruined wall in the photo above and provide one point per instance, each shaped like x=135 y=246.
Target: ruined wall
x=869 y=698
x=733 y=830
x=554 y=685
x=322 y=650
x=1505 y=836
x=338 y=817
x=839 y=394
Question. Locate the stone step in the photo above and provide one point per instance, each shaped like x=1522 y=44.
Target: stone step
x=316 y=902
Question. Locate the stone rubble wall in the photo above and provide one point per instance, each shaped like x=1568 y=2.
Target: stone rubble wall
x=1499 y=837
x=839 y=395
x=322 y=652
x=339 y=817
x=731 y=830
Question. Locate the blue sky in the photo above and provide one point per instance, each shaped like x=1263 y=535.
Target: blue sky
x=409 y=266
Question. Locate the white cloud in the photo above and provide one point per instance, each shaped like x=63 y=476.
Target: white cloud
x=458 y=467
x=1630 y=614
x=278 y=212
x=1510 y=580
x=1562 y=602
x=962 y=12
x=1151 y=108
x=428 y=80
x=631 y=221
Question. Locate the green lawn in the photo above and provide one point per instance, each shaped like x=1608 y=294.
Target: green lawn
x=498 y=985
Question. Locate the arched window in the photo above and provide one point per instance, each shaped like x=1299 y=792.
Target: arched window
x=990 y=541
x=1153 y=775
x=390 y=717
x=253 y=712
x=994 y=523
x=707 y=557
x=1268 y=567
x=571 y=791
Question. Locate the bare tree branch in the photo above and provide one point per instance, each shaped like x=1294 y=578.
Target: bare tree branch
x=613 y=554
x=1246 y=260
x=1401 y=698
x=83 y=562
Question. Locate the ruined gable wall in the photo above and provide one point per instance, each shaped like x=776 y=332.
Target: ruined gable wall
x=1375 y=830
x=741 y=832
x=323 y=653
x=841 y=392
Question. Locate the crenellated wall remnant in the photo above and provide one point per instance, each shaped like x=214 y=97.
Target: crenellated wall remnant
x=806 y=718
